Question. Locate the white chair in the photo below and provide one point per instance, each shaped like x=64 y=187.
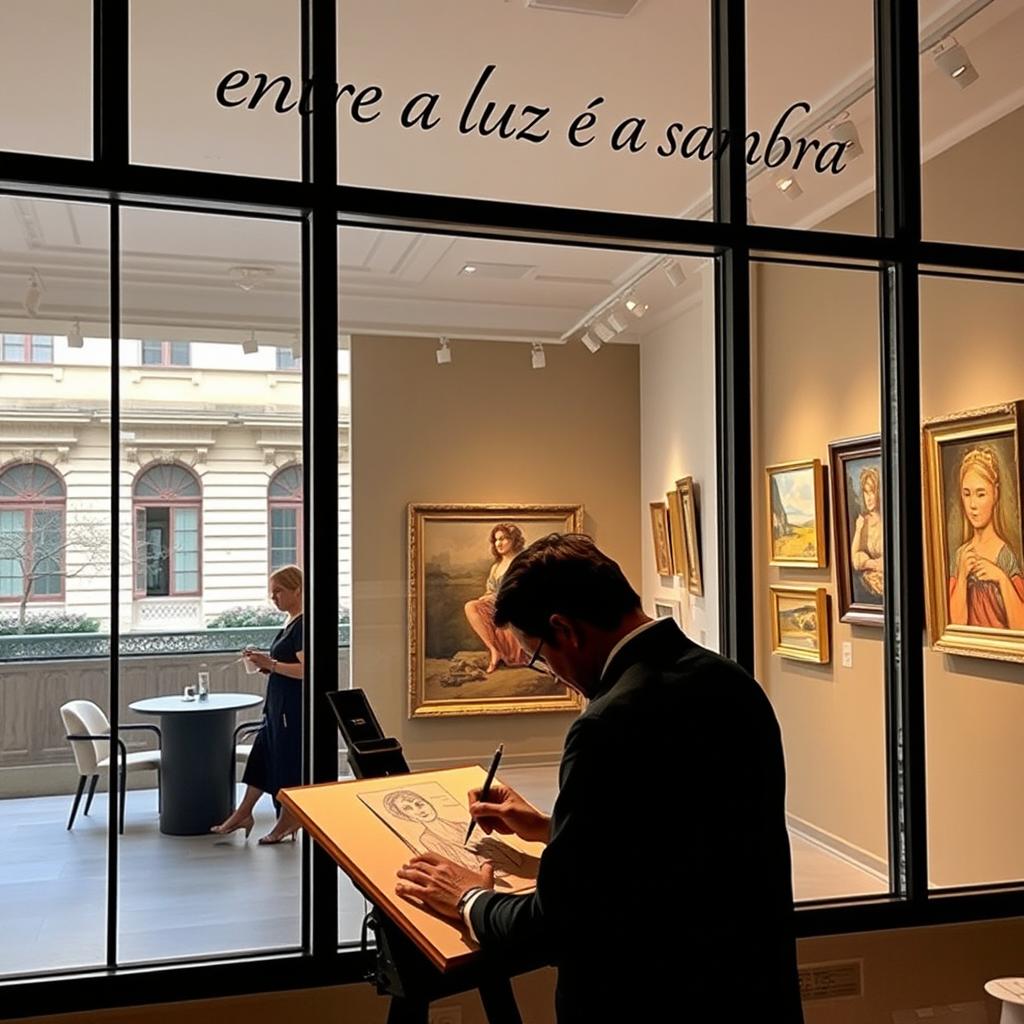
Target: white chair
x=88 y=731
x=243 y=750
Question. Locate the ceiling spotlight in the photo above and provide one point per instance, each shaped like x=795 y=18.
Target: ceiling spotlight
x=674 y=272
x=592 y=343
x=845 y=131
x=789 y=187
x=952 y=59
x=602 y=330
x=636 y=308
x=75 y=339
x=248 y=278
x=33 y=294
x=444 y=353
x=537 y=359
x=617 y=322
x=249 y=345
x=469 y=268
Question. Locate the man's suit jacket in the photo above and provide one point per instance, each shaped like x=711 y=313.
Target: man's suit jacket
x=665 y=892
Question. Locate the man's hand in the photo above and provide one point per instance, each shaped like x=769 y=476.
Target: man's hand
x=439 y=883
x=507 y=812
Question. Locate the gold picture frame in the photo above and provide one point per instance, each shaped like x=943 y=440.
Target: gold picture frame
x=796 y=514
x=452 y=578
x=660 y=533
x=675 y=533
x=800 y=624
x=974 y=527
x=691 y=535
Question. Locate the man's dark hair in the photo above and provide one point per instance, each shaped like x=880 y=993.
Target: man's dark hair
x=564 y=574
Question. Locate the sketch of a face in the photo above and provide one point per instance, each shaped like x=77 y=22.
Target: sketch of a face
x=411 y=807
x=979 y=498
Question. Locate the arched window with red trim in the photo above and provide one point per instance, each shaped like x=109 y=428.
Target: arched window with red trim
x=32 y=507
x=285 y=515
x=167 y=506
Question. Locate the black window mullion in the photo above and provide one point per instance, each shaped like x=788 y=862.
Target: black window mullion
x=320 y=468
x=110 y=160
x=732 y=348
x=899 y=218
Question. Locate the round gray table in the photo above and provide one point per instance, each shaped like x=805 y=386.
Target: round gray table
x=196 y=758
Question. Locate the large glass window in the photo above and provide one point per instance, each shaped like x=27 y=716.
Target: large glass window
x=286 y=526
x=167 y=512
x=31 y=532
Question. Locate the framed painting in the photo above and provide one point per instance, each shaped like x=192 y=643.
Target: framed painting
x=660 y=534
x=974 y=529
x=858 y=520
x=668 y=609
x=677 y=545
x=460 y=663
x=687 y=491
x=800 y=624
x=796 y=514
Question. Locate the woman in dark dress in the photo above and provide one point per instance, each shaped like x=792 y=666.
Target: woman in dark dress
x=276 y=758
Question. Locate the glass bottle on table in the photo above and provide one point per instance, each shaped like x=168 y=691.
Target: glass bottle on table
x=203 y=681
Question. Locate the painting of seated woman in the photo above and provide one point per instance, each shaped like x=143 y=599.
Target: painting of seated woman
x=460 y=662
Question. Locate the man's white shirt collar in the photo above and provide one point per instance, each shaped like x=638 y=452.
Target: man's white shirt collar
x=625 y=640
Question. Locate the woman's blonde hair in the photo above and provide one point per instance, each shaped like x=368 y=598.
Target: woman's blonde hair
x=985 y=462
x=869 y=475
x=289 y=576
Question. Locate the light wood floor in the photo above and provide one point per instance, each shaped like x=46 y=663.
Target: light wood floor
x=183 y=897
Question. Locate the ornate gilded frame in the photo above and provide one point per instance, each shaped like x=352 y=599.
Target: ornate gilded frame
x=977 y=424
x=419 y=517
x=691 y=536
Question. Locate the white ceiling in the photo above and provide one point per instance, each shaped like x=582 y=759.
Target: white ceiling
x=653 y=63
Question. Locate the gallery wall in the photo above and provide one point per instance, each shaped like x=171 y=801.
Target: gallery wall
x=484 y=429
x=816 y=338
x=678 y=434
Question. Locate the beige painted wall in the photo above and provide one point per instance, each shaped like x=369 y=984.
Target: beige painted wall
x=486 y=428
x=972 y=355
x=817 y=380
x=677 y=409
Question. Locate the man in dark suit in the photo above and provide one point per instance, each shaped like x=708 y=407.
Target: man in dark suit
x=665 y=890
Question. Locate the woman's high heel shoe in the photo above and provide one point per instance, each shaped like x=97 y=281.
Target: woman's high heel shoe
x=271 y=840
x=245 y=823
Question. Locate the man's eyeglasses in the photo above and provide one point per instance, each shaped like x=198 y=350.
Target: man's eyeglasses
x=537 y=662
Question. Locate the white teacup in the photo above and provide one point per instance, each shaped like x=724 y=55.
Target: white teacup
x=250 y=667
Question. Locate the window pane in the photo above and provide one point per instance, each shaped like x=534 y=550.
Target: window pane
x=622 y=400
x=47 y=547
x=46 y=77
x=283 y=537
x=158 y=535
x=186 y=549
x=508 y=122
x=820 y=650
x=185 y=120
x=42 y=349
x=54 y=650
x=199 y=450
x=811 y=101
x=152 y=353
x=14 y=348
x=286 y=359
x=13 y=552
x=971 y=373
x=972 y=121
x=180 y=353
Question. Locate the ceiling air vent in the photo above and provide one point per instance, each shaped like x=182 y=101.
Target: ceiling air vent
x=611 y=8
x=838 y=980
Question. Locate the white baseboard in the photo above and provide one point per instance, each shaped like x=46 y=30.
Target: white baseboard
x=839 y=847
